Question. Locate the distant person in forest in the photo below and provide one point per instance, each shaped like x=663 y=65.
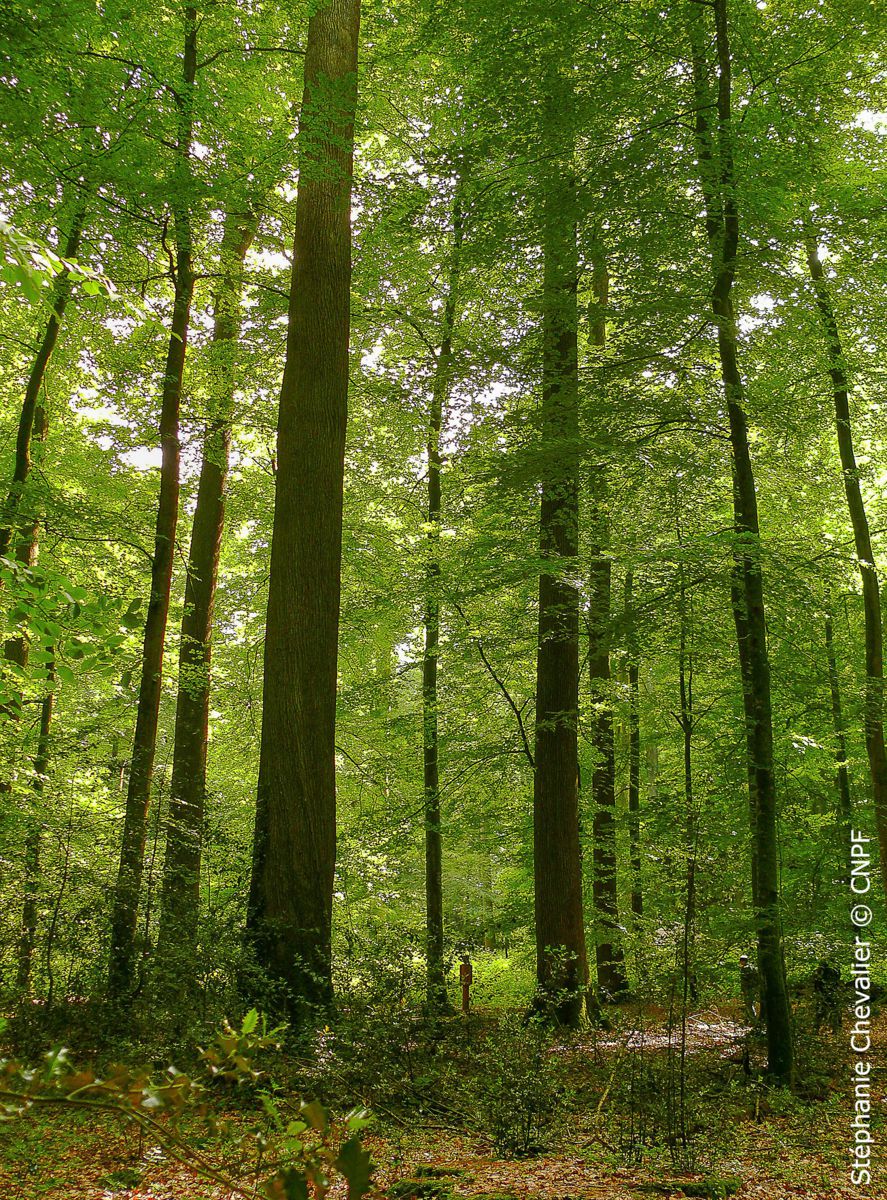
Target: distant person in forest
x=827 y=995
x=750 y=982
x=466 y=978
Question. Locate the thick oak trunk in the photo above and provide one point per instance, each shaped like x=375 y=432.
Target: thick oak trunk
x=294 y=856
x=124 y=915
x=561 y=962
x=180 y=894
x=865 y=555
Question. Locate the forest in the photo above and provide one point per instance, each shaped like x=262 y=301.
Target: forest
x=443 y=573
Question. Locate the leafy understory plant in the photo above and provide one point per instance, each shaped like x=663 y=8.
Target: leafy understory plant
x=304 y=1155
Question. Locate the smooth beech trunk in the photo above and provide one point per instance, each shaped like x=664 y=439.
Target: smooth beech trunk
x=561 y=962
x=687 y=721
x=30 y=419
x=294 y=854
x=717 y=176
x=124 y=916
x=180 y=894
x=434 y=922
x=634 y=752
x=865 y=555
x=609 y=956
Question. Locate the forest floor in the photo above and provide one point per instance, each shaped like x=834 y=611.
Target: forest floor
x=765 y=1144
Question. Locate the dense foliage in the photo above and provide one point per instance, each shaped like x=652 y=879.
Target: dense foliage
x=542 y=304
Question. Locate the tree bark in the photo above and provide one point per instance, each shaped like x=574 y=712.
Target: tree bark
x=609 y=956
x=294 y=855
x=722 y=226
x=634 y=753
x=434 y=922
x=180 y=892
x=30 y=419
x=124 y=916
x=687 y=724
x=865 y=555
x=561 y=962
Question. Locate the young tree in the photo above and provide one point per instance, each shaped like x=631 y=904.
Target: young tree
x=181 y=873
x=609 y=956
x=124 y=916
x=634 y=750
x=32 y=420
x=865 y=555
x=434 y=924
x=717 y=177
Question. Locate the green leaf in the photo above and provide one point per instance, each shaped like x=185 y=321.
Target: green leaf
x=356 y=1165
x=316 y=1115
x=289 y=1184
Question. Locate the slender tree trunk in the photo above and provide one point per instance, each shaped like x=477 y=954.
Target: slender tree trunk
x=291 y=892
x=17 y=648
x=634 y=752
x=30 y=419
x=722 y=226
x=434 y=923
x=610 y=960
x=868 y=570
x=124 y=916
x=31 y=437
x=28 y=935
x=561 y=962
x=845 y=803
x=180 y=891
x=687 y=721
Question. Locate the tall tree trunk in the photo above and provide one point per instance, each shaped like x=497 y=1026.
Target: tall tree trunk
x=561 y=962
x=609 y=956
x=434 y=924
x=634 y=752
x=28 y=935
x=294 y=855
x=180 y=892
x=27 y=528
x=33 y=428
x=124 y=915
x=687 y=722
x=722 y=226
x=30 y=419
x=865 y=555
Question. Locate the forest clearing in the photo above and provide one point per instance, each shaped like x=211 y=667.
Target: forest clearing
x=443 y=518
